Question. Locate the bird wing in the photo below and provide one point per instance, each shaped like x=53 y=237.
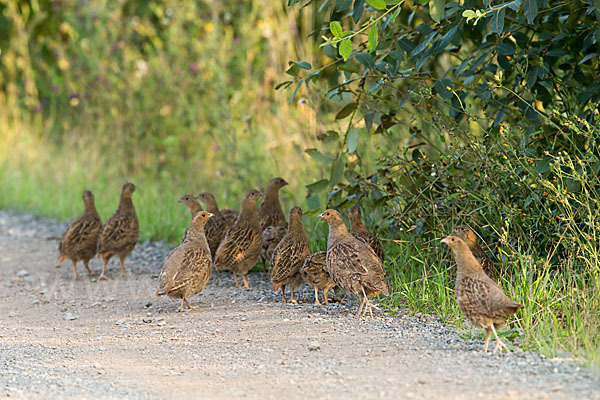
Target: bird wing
x=82 y=233
x=236 y=244
x=287 y=259
x=119 y=231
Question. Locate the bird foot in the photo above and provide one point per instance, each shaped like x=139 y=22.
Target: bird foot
x=102 y=277
x=500 y=346
x=317 y=303
x=294 y=301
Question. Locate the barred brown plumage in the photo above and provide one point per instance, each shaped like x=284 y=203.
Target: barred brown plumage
x=240 y=248
x=479 y=298
x=79 y=240
x=187 y=268
x=120 y=233
x=352 y=264
x=360 y=231
x=314 y=272
x=289 y=255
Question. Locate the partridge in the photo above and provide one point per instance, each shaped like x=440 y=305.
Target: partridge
x=79 y=240
x=479 y=298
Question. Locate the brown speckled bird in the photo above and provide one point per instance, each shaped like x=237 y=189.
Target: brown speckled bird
x=289 y=255
x=193 y=205
x=240 y=248
x=314 y=272
x=270 y=214
x=352 y=264
x=479 y=298
x=217 y=226
x=186 y=269
x=466 y=233
x=360 y=231
x=230 y=215
x=271 y=237
x=120 y=233
x=79 y=240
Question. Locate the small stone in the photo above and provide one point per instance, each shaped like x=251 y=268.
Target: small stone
x=119 y=322
x=70 y=316
x=146 y=320
x=161 y=323
x=314 y=346
x=148 y=304
x=22 y=274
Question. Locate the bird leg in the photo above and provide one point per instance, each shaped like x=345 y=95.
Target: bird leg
x=245 y=282
x=499 y=343
x=75 y=270
x=191 y=307
x=102 y=275
x=317 y=297
x=264 y=264
x=293 y=300
x=369 y=305
x=237 y=284
x=488 y=333
x=361 y=305
x=182 y=307
x=87 y=267
x=283 y=294
x=122 y=265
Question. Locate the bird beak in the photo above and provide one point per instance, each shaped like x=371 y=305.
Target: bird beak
x=179 y=201
x=210 y=215
x=320 y=215
x=444 y=241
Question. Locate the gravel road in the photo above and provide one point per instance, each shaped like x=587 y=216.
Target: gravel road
x=113 y=339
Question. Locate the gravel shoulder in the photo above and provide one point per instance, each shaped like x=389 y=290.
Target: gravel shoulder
x=61 y=338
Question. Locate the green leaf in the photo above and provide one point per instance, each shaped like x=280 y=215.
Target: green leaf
x=373 y=38
x=336 y=28
x=292 y=2
x=345 y=48
x=303 y=64
x=357 y=11
x=377 y=4
x=295 y=90
x=283 y=85
x=337 y=171
x=497 y=22
x=318 y=156
x=342 y=5
x=365 y=59
x=318 y=185
x=352 y=140
x=347 y=110
x=436 y=9
x=530 y=8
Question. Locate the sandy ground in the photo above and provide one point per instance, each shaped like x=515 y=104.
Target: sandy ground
x=114 y=339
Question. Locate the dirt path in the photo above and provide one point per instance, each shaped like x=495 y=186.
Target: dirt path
x=114 y=339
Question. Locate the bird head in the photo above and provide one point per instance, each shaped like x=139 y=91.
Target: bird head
x=465 y=233
x=202 y=217
x=186 y=199
x=278 y=182
x=128 y=188
x=332 y=217
x=87 y=195
x=253 y=195
x=295 y=211
x=454 y=242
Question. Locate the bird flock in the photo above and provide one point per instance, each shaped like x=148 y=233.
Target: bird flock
x=234 y=241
